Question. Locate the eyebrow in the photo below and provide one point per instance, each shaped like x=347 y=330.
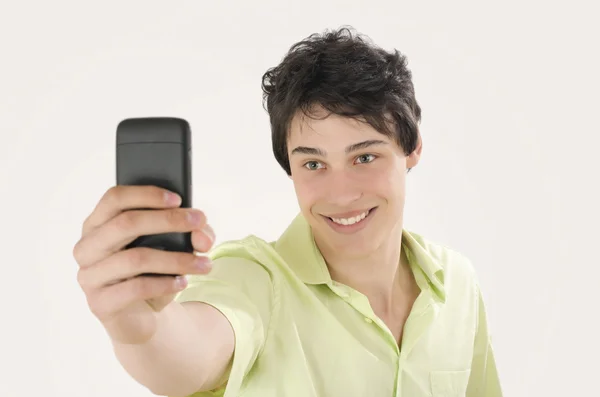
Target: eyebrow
x=351 y=148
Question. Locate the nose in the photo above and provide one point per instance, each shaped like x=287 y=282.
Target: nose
x=343 y=188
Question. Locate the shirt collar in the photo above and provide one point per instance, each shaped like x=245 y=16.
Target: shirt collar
x=298 y=248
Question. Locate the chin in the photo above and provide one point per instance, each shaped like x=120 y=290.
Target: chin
x=356 y=249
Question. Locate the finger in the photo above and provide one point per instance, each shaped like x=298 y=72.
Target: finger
x=109 y=301
x=127 y=226
x=204 y=239
x=157 y=304
x=122 y=197
x=135 y=261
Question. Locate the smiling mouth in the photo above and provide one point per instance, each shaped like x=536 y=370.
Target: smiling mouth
x=353 y=219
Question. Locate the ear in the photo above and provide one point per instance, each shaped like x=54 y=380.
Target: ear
x=413 y=159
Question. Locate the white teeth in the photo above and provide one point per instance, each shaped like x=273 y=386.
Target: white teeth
x=351 y=221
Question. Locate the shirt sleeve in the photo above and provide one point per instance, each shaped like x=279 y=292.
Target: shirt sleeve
x=242 y=290
x=484 y=380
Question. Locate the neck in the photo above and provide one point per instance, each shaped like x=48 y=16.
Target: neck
x=383 y=275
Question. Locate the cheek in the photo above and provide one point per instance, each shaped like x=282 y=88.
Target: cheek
x=307 y=190
x=387 y=182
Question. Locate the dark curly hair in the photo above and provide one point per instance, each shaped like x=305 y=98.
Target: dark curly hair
x=346 y=74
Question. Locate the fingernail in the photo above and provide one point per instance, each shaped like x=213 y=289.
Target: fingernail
x=202 y=263
x=180 y=282
x=209 y=232
x=172 y=198
x=194 y=217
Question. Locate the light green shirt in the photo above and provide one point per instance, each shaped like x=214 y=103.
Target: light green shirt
x=298 y=333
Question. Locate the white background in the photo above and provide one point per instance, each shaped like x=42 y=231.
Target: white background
x=509 y=173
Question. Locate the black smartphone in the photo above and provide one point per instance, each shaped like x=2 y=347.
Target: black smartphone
x=157 y=151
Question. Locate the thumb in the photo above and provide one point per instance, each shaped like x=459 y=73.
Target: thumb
x=159 y=303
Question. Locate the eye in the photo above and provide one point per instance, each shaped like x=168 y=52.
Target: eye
x=313 y=165
x=365 y=158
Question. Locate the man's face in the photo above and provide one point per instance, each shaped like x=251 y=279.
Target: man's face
x=350 y=182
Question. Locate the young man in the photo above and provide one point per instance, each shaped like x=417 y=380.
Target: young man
x=347 y=302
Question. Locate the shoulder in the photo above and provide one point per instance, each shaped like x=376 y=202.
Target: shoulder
x=240 y=280
x=249 y=264
x=456 y=265
x=251 y=251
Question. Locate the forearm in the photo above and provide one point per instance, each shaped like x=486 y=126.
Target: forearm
x=189 y=351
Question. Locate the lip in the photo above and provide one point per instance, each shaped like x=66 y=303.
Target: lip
x=354 y=228
x=349 y=214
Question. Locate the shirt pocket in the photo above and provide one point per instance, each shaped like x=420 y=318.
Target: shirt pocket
x=449 y=383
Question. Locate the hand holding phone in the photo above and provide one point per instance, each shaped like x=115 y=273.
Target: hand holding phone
x=140 y=229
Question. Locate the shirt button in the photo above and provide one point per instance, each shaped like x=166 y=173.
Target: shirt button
x=368 y=320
